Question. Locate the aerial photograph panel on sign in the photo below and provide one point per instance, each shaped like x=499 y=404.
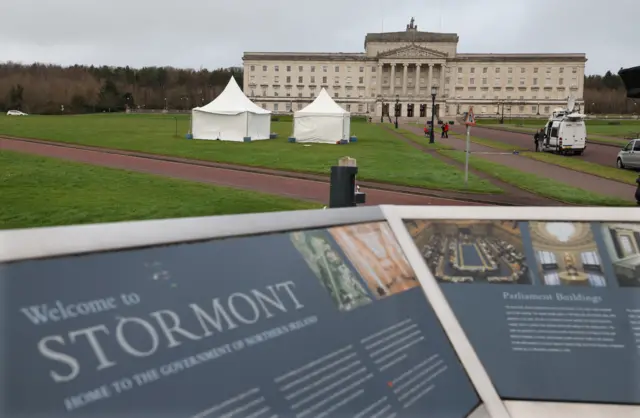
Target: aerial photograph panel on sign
x=374 y=251
x=567 y=254
x=473 y=251
x=334 y=274
x=622 y=241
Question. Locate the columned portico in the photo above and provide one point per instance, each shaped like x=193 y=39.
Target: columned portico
x=404 y=79
x=414 y=87
x=392 y=81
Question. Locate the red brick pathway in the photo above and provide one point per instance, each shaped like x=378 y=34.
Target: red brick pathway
x=305 y=189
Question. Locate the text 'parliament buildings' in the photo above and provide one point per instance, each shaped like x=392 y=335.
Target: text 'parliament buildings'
x=404 y=66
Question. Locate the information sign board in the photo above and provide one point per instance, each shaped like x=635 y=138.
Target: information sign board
x=312 y=323
x=552 y=308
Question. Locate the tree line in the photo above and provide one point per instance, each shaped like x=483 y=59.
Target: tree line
x=53 y=89
x=607 y=95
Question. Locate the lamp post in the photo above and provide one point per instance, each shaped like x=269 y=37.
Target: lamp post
x=434 y=92
x=397 y=109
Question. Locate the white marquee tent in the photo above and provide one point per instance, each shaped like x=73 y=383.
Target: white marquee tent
x=322 y=121
x=231 y=117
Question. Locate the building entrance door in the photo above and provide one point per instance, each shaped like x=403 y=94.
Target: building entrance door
x=398 y=107
x=385 y=109
x=410 y=110
x=423 y=110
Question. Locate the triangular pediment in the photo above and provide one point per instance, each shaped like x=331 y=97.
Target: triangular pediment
x=412 y=51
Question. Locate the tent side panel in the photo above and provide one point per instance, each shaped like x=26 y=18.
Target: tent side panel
x=346 y=127
x=223 y=127
x=319 y=129
x=259 y=126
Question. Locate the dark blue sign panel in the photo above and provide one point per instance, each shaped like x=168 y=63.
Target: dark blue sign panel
x=551 y=308
x=316 y=323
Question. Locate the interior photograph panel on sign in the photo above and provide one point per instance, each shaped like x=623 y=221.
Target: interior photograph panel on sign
x=622 y=241
x=574 y=322
x=313 y=323
x=472 y=251
x=567 y=254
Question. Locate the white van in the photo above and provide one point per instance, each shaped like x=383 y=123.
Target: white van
x=565 y=134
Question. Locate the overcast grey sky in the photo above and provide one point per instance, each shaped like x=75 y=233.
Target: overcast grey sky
x=215 y=33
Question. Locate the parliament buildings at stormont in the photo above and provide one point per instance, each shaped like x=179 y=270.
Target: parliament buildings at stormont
x=403 y=66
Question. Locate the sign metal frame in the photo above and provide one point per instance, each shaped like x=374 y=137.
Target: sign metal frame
x=503 y=408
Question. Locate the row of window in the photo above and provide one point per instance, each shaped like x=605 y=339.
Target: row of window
x=360 y=93
x=472 y=70
x=523 y=81
x=508 y=109
x=312 y=68
x=558 y=96
x=362 y=107
x=497 y=81
x=523 y=70
x=312 y=93
x=312 y=79
x=287 y=107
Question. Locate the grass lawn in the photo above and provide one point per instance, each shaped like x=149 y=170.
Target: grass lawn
x=381 y=156
x=489 y=142
x=539 y=185
x=37 y=191
x=624 y=176
x=422 y=140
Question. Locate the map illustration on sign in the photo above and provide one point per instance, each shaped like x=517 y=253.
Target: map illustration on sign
x=376 y=254
x=622 y=241
x=567 y=254
x=323 y=259
x=472 y=251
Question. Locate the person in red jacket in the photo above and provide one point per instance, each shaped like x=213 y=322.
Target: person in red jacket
x=446 y=130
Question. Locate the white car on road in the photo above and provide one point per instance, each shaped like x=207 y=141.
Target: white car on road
x=629 y=156
x=16 y=113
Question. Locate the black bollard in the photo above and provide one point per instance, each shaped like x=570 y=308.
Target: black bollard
x=343 y=191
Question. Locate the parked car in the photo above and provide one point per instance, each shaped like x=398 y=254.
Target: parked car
x=16 y=113
x=629 y=156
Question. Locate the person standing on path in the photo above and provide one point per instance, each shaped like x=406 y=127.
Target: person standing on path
x=638 y=190
x=446 y=129
x=443 y=126
x=539 y=136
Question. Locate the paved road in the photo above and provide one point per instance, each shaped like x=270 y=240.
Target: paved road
x=512 y=194
x=573 y=178
x=312 y=190
x=595 y=153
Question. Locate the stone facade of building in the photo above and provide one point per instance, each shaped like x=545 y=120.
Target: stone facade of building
x=402 y=67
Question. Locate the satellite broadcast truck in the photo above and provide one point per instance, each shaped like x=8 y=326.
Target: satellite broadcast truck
x=565 y=132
